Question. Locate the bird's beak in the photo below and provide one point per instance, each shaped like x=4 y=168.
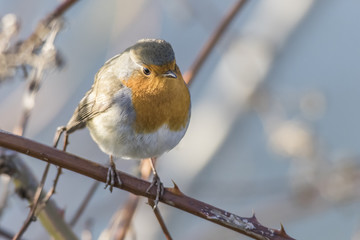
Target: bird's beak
x=170 y=74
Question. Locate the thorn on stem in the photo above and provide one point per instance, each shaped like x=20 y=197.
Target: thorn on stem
x=253 y=218
x=282 y=230
x=175 y=189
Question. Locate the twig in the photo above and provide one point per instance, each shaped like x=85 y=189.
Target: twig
x=154 y=203
x=26 y=184
x=84 y=204
x=172 y=196
x=29 y=99
x=36 y=205
x=31 y=215
x=209 y=46
x=44 y=58
x=159 y=218
x=59 y=170
x=58 y=134
x=5 y=234
x=129 y=208
x=121 y=221
x=128 y=213
x=40 y=32
x=46 y=31
x=5 y=192
x=59 y=10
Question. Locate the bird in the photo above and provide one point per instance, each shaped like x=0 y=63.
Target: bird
x=138 y=106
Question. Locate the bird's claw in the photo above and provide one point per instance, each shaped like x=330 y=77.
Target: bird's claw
x=111 y=176
x=159 y=189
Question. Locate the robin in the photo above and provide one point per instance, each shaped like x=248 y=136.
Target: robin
x=138 y=106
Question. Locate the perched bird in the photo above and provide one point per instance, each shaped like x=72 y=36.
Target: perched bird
x=138 y=106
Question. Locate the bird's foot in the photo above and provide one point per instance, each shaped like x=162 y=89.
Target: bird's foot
x=112 y=176
x=159 y=189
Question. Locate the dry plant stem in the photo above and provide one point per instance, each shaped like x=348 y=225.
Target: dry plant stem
x=26 y=184
x=52 y=189
x=31 y=214
x=129 y=208
x=172 y=196
x=59 y=10
x=59 y=170
x=27 y=47
x=5 y=234
x=132 y=202
x=29 y=99
x=128 y=211
x=159 y=193
x=209 y=46
x=36 y=202
x=5 y=193
x=35 y=38
x=159 y=218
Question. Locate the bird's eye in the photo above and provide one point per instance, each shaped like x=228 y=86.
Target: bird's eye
x=146 y=71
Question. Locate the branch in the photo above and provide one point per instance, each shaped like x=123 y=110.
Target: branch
x=5 y=234
x=22 y=53
x=41 y=29
x=5 y=181
x=209 y=46
x=31 y=216
x=172 y=196
x=26 y=184
x=159 y=218
x=59 y=10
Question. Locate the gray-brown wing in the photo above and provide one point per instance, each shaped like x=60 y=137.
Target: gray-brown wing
x=83 y=112
x=97 y=100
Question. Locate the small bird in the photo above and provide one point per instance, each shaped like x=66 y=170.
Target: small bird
x=138 y=107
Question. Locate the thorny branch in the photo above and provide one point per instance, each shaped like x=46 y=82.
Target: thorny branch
x=172 y=196
x=36 y=40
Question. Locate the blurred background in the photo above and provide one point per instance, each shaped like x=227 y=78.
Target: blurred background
x=274 y=125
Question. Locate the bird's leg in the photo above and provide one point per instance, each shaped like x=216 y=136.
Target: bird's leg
x=156 y=182
x=111 y=175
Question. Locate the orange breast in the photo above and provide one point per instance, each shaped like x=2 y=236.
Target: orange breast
x=158 y=100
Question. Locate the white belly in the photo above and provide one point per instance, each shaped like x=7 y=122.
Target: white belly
x=117 y=138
